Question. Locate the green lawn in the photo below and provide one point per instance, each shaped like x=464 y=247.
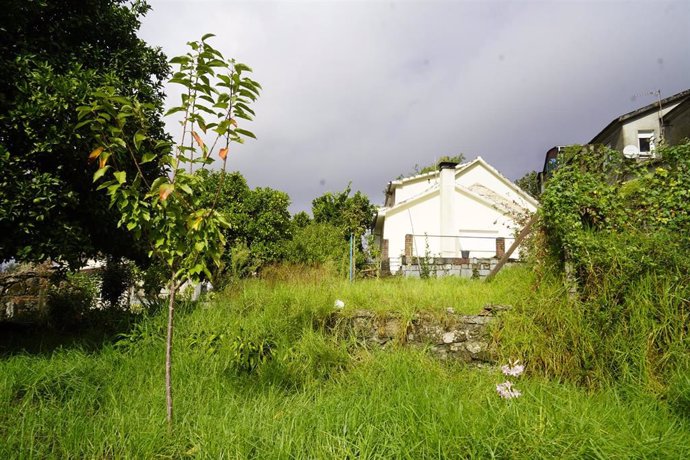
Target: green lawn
x=316 y=397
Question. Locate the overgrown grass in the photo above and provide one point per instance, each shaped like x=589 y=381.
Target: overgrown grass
x=314 y=396
x=640 y=341
x=398 y=293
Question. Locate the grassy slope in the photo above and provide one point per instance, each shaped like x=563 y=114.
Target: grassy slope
x=316 y=398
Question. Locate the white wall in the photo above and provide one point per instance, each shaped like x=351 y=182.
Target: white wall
x=476 y=223
x=648 y=122
x=419 y=218
x=478 y=174
x=414 y=188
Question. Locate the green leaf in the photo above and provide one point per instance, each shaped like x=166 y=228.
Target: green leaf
x=175 y=110
x=83 y=123
x=138 y=138
x=242 y=67
x=207 y=36
x=98 y=174
x=245 y=133
x=180 y=60
x=147 y=157
x=120 y=176
x=185 y=188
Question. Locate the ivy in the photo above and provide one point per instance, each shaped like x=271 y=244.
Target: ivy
x=614 y=218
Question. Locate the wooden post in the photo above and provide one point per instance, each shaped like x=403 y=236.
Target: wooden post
x=523 y=234
x=500 y=247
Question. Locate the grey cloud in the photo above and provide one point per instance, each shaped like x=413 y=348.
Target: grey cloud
x=363 y=91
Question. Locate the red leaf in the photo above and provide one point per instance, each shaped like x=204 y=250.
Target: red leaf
x=95 y=154
x=223 y=153
x=164 y=191
x=198 y=140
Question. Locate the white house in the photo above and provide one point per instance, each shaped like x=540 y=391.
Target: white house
x=458 y=212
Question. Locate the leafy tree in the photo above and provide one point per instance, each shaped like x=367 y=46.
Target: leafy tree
x=169 y=213
x=301 y=220
x=259 y=220
x=55 y=55
x=434 y=166
x=269 y=223
x=530 y=184
x=348 y=215
x=352 y=214
x=317 y=243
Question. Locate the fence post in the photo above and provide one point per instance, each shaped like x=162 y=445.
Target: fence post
x=500 y=247
x=408 y=248
x=352 y=241
x=523 y=234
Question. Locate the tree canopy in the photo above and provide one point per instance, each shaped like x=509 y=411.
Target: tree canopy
x=530 y=184
x=54 y=57
x=259 y=221
x=459 y=158
x=352 y=214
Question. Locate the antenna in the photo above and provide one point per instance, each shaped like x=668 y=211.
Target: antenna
x=656 y=93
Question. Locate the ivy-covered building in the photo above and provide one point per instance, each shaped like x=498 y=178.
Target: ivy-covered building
x=636 y=134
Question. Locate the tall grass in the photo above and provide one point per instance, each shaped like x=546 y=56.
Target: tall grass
x=314 y=396
x=639 y=340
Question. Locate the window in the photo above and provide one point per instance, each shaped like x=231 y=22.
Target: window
x=645 y=140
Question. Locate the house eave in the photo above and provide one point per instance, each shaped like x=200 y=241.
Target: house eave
x=638 y=113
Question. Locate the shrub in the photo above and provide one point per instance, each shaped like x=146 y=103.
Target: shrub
x=616 y=232
x=70 y=301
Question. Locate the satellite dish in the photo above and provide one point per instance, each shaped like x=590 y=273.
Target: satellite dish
x=631 y=151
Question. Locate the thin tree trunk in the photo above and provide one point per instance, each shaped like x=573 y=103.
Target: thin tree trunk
x=168 y=354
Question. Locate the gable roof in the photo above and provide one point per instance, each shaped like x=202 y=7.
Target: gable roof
x=478 y=191
x=677 y=111
x=638 y=113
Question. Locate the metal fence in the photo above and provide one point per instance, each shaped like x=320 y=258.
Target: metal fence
x=456 y=246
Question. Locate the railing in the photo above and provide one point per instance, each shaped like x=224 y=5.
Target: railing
x=457 y=246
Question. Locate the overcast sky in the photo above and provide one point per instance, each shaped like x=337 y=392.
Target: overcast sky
x=363 y=91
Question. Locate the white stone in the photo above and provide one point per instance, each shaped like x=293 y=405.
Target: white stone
x=449 y=337
x=474 y=347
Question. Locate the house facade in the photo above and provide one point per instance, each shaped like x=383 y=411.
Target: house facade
x=457 y=213
x=637 y=134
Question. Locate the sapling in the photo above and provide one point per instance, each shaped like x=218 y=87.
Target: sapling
x=162 y=203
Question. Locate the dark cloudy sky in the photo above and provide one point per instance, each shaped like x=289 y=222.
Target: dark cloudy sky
x=362 y=91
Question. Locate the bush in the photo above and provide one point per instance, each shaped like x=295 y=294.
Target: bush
x=70 y=301
x=116 y=278
x=612 y=301
x=318 y=243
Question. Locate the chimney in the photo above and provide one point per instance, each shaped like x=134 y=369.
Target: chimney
x=447 y=187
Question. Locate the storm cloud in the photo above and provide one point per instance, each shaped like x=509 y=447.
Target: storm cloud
x=363 y=91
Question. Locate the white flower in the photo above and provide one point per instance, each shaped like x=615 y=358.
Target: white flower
x=339 y=304
x=507 y=391
x=513 y=368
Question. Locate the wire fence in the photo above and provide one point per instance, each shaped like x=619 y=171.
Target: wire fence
x=456 y=246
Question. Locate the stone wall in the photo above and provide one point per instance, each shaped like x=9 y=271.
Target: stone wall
x=445 y=266
x=23 y=295
x=450 y=335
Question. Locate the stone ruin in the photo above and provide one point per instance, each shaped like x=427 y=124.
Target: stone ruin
x=448 y=336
